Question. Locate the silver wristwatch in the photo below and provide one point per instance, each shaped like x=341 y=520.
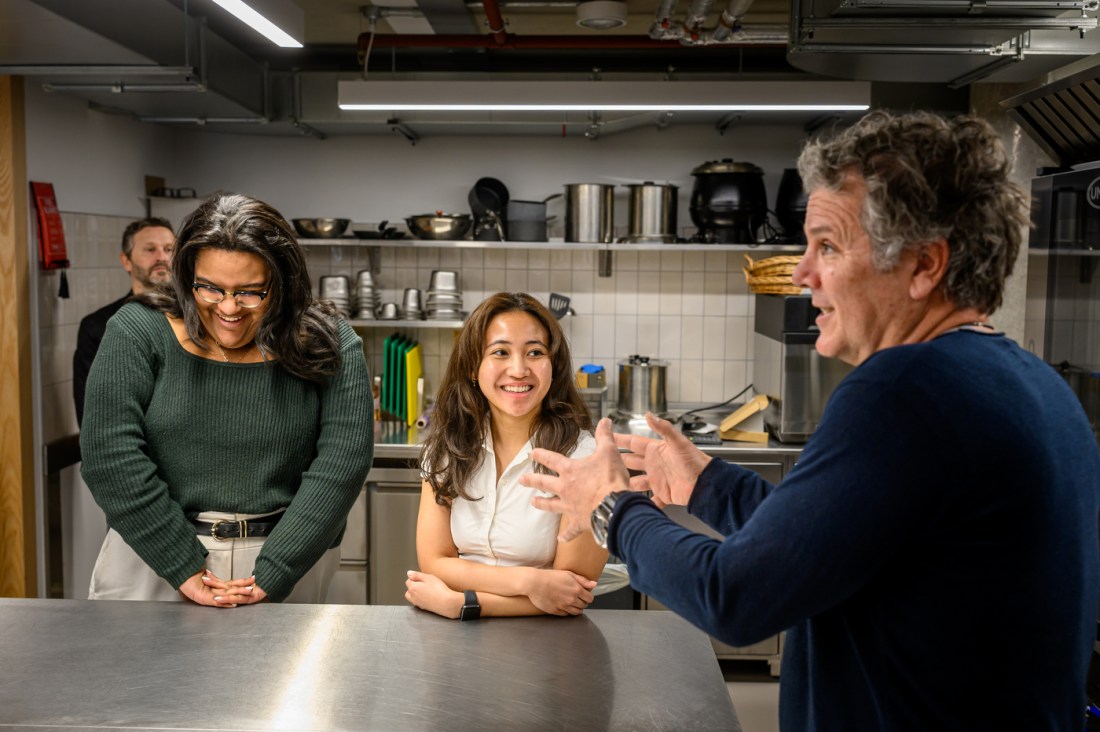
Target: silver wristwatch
x=601 y=517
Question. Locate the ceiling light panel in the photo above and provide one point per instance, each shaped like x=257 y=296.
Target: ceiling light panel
x=280 y=21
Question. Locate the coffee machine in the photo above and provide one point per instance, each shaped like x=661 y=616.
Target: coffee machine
x=788 y=369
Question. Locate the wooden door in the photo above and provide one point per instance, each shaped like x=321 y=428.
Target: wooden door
x=17 y=535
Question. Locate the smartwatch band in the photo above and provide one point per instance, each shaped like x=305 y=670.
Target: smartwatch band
x=471 y=608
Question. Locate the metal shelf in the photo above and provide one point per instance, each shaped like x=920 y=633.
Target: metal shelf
x=553 y=244
x=1063 y=252
x=401 y=323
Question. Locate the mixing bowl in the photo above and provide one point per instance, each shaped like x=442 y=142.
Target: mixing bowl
x=321 y=228
x=440 y=226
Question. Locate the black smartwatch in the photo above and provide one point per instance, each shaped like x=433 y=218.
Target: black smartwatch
x=601 y=517
x=471 y=608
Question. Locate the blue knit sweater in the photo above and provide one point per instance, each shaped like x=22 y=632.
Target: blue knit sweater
x=933 y=556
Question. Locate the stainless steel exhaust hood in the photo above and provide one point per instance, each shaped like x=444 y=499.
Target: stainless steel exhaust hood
x=1062 y=112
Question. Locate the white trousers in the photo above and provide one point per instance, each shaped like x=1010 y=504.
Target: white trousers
x=120 y=574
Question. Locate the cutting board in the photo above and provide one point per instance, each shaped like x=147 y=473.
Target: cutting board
x=414 y=367
x=746 y=424
x=399 y=387
x=393 y=349
x=387 y=372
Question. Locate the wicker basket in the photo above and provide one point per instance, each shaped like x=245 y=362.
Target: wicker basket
x=771 y=276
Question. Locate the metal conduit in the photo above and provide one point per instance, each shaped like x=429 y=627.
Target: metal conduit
x=770 y=37
x=496 y=21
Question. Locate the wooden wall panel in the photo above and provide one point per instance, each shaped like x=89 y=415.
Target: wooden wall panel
x=17 y=522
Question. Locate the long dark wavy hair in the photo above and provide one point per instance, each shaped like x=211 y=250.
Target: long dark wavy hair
x=295 y=329
x=452 y=452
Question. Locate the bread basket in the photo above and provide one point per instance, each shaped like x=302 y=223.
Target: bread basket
x=771 y=276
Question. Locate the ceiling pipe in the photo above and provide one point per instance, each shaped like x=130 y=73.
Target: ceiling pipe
x=102 y=70
x=693 y=23
x=496 y=21
x=200 y=120
x=728 y=22
x=776 y=38
x=121 y=88
x=662 y=23
x=728 y=31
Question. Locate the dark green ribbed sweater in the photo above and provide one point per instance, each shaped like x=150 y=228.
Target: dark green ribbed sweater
x=168 y=434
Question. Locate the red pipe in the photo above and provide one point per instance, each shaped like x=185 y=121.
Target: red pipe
x=496 y=21
x=514 y=42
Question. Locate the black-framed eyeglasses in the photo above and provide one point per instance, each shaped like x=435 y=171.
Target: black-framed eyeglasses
x=244 y=298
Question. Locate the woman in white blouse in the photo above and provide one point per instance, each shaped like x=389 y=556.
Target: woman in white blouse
x=483 y=548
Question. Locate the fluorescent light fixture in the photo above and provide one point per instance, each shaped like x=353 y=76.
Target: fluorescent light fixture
x=260 y=23
x=619 y=96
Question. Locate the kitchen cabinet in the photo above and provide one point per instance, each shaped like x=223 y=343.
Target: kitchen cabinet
x=349 y=585
x=379 y=544
x=393 y=503
x=769 y=649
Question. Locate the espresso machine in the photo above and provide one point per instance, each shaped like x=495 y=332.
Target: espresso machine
x=788 y=369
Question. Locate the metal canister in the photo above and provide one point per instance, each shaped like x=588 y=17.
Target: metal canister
x=653 y=212
x=642 y=386
x=589 y=212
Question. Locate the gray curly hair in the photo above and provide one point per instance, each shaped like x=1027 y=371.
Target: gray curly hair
x=930 y=178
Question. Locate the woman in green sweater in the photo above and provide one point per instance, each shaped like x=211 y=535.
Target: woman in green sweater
x=228 y=423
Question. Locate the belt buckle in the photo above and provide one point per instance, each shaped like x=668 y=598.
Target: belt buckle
x=242 y=529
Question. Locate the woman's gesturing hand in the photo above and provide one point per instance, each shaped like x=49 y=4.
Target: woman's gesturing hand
x=560 y=592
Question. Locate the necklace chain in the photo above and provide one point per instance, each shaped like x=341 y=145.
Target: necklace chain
x=225 y=357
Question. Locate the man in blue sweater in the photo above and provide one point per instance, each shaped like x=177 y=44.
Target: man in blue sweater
x=933 y=556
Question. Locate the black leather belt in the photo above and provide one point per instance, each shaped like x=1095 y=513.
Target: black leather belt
x=230 y=529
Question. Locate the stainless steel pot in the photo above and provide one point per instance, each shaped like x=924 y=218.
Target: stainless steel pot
x=590 y=212
x=652 y=213
x=642 y=386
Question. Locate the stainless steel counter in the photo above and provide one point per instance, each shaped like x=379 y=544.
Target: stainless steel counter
x=395 y=440
x=69 y=664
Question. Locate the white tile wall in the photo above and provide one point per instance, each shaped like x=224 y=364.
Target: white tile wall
x=692 y=309
x=95 y=278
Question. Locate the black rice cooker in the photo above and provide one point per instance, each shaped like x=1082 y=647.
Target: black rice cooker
x=728 y=202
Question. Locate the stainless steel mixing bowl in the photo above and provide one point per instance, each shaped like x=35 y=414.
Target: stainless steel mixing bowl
x=440 y=226
x=321 y=228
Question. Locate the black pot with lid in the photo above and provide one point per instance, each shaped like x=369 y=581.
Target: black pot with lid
x=728 y=201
